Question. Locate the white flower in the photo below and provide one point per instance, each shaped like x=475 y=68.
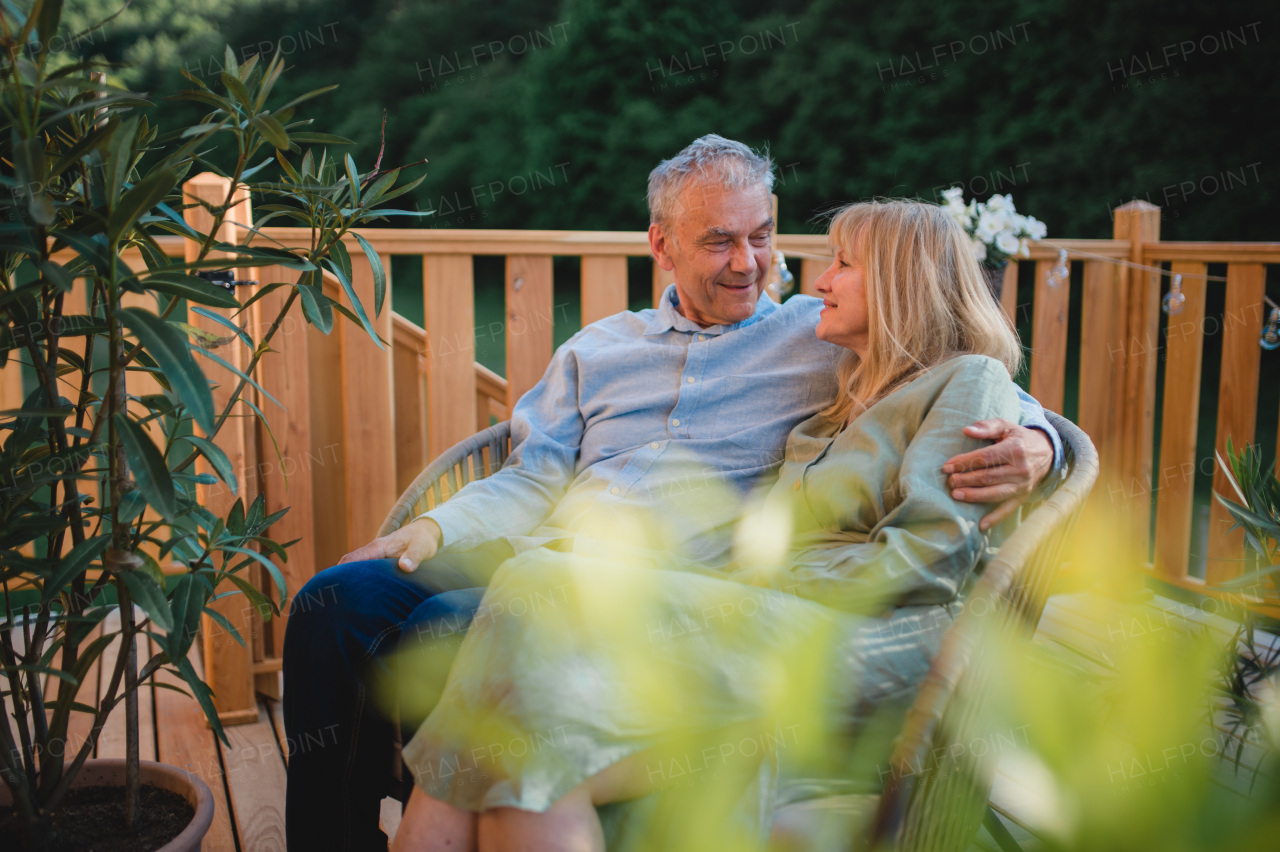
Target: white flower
x=954 y=195
x=988 y=226
x=1036 y=229
x=1023 y=249
x=1007 y=242
x=979 y=249
x=1000 y=202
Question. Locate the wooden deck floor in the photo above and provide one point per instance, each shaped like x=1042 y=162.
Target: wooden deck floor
x=247 y=778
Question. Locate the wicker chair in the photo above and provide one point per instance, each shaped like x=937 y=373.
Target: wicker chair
x=939 y=809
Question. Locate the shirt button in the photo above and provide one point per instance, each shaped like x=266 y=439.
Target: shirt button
x=615 y=490
x=796 y=487
x=702 y=337
x=675 y=421
x=689 y=380
x=654 y=445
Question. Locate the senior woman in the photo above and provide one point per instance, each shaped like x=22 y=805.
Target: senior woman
x=644 y=668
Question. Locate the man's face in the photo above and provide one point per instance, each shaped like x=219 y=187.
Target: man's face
x=719 y=243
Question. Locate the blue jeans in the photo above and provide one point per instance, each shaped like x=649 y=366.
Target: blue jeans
x=342 y=624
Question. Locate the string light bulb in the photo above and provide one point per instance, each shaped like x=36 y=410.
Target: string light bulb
x=1175 y=300
x=781 y=281
x=1271 y=333
x=1061 y=271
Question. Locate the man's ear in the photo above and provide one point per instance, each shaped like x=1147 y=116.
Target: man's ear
x=658 y=242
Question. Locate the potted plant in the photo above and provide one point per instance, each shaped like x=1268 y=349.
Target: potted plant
x=1252 y=671
x=997 y=230
x=98 y=501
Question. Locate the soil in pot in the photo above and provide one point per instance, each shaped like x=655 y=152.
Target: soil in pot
x=91 y=819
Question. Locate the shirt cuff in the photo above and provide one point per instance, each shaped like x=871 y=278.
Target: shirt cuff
x=455 y=532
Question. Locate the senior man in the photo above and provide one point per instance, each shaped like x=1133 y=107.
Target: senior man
x=707 y=386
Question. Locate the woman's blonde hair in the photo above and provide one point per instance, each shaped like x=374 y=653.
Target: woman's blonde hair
x=927 y=301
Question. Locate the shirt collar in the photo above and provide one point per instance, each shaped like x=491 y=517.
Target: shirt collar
x=667 y=317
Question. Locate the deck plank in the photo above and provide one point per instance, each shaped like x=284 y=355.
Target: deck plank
x=186 y=742
x=256 y=782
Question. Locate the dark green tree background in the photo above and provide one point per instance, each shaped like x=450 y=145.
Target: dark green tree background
x=545 y=114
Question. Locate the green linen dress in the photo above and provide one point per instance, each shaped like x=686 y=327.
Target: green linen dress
x=577 y=660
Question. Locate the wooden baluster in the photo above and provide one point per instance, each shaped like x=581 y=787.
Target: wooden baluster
x=1049 y=339
x=529 y=318
x=368 y=411
x=328 y=439
x=228 y=665
x=410 y=354
x=287 y=478
x=604 y=287
x=810 y=272
x=1237 y=406
x=1102 y=384
x=449 y=307
x=1175 y=479
x=11 y=395
x=1009 y=293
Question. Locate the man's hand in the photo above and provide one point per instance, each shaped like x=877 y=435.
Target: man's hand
x=410 y=545
x=1005 y=472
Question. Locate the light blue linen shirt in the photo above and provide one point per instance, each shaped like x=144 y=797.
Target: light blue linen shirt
x=645 y=415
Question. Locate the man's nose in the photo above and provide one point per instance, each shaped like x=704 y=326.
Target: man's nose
x=742 y=259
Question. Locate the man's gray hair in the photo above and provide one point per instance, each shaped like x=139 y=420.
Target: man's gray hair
x=729 y=163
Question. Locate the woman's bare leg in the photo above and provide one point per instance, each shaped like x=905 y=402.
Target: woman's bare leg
x=570 y=825
x=430 y=825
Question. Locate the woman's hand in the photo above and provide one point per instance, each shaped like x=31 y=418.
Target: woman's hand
x=1007 y=472
x=410 y=546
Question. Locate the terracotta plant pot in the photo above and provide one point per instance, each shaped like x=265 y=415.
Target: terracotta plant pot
x=111 y=773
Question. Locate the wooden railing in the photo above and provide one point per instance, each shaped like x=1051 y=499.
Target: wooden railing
x=357 y=422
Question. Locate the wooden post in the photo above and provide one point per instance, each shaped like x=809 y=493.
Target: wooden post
x=228 y=665
x=1139 y=223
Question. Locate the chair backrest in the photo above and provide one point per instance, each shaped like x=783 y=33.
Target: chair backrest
x=474 y=458
x=938 y=785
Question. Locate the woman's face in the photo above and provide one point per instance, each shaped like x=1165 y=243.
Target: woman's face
x=844 y=298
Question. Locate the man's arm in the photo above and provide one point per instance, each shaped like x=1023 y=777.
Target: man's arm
x=1008 y=471
x=546 y=436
